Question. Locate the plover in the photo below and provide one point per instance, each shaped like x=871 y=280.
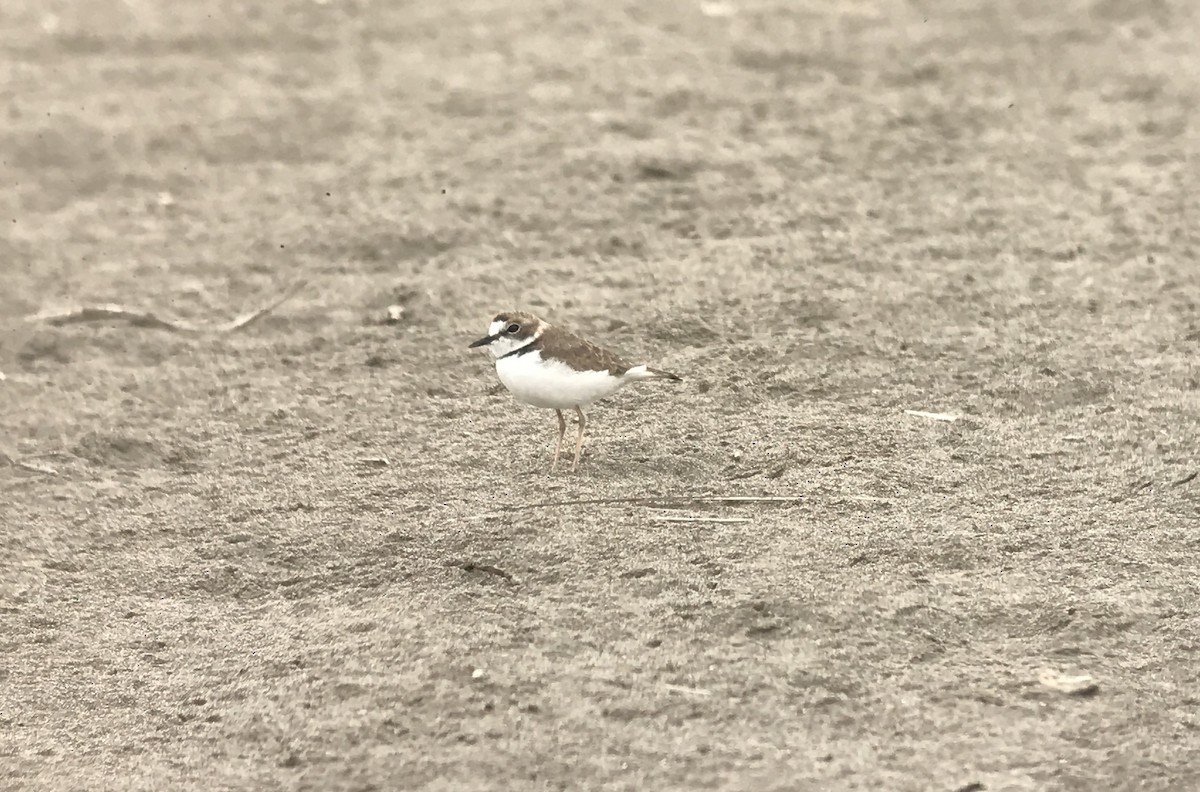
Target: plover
x=546 y=366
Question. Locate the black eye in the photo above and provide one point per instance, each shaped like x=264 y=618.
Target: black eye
x=512 y=328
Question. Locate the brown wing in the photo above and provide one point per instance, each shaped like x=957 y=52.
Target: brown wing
x=581 y=355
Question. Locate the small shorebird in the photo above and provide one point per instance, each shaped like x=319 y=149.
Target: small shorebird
x=549 y=367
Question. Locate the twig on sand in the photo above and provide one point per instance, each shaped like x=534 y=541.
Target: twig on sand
x=378 y=461
x=729 y=500
x=686 y=691
x=106 y=313
x=932 y=415
x=696 y=519
x=32 y=467
x=487 y=569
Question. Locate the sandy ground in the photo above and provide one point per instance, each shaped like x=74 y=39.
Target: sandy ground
x=823 y=214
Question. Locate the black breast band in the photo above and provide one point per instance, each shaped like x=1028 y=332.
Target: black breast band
x=532 y=346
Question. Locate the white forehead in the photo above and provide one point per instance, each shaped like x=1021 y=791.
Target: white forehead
x=495 y=327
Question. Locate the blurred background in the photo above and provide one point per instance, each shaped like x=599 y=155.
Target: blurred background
x=260 y=551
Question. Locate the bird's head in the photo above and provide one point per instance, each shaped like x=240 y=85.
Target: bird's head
x=511 y=330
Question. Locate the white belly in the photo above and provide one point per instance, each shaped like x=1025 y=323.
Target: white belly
x=548 y=383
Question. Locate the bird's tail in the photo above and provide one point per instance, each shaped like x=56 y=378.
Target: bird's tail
x=646 y=373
